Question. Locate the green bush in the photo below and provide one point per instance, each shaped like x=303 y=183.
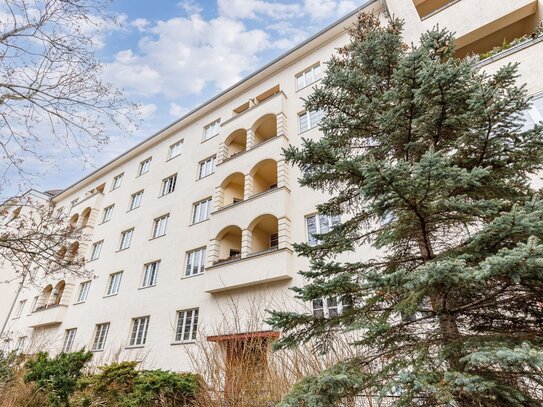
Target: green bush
x=57 y=376
x=8 y=362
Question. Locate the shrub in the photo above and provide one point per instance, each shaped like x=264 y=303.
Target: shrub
x=57 y=376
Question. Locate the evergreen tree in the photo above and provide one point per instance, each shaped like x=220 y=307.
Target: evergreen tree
x=427 y=159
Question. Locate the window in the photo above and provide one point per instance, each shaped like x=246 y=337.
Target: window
x=126 y=238
x=114 y=283
x=135 y=200
x=187 y=324
x=117 y=181
x=100 y=337
x=34 y=303
x=139 y=331
x=308 y=77
x=96 y=250
x=107 y=213
x=150 y=273
x=329 y=307
x=74 y=202
x=211 y=130
x=168 y=185
x=84 y=288
x=20 y=308
x=144 y=166
x=308 y=120
x=533 y=115
x=69 y=337
x=21 y=342
x=175 y=149
x=159 y=226
x=319 y=224
x=195 y=262
x=201 y=210
x=207 y=167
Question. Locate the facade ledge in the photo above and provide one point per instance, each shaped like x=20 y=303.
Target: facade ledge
x=251 y=198
x=182 y=343
x=280 y=93
x=97 y=195
x=51 y=315
x=509 y=51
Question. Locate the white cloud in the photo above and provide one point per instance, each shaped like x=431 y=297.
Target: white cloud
x=190 y=7
x=242 y=9
x=184 y=55
x=140 y=23
x=177 y=110
x=147 y=110
x=324 y=9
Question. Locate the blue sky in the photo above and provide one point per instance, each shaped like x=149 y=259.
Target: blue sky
x=169 y=56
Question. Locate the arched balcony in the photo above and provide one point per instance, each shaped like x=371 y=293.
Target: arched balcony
x=232 y=189
x=45 y=297
x=73 y=220
x=74 y=250
x=264 y=129
x=85 y=217
x=264 y=176
x=229 y=242
x=264 y=232
x=56 y=295
x=235 y=143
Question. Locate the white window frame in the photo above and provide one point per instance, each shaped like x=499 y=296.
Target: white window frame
x=73 y=203
x=20 y=308
x=108 y=213
x=331 y=222
x=313 y=118
x=100 y=337
x=34 y=303
x=96 y=249
x=195 y=261
x=126 y=239
x=117 y=181
x=175 y=149
x=140 y=327
x=206 y=167
x=211 y=130
x=187 y=325
x=69 y=339
x=327 y=305
x=135 y=200
x=21 y=342
x=114 y=283
x=308 y=76
x=198 y=214
x=150 y=274
x=83 y=293
x=144 y=166
x=160 y=225
x=168 y=185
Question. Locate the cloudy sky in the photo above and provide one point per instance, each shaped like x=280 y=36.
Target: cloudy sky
x=170 y=56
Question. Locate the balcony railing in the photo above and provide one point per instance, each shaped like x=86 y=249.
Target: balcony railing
x=48 y=315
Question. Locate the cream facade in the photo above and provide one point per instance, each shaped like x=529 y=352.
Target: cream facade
x=197 y=222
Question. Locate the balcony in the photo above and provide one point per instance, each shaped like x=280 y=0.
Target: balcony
x=264 y=267
x=50 y=315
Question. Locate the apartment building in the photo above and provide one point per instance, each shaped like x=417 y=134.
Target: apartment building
x=190 y=233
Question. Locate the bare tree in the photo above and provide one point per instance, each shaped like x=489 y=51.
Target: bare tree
x=51 y=91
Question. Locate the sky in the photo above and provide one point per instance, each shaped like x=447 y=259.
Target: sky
x=170 y=56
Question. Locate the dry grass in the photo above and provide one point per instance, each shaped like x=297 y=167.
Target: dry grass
x=17 y=393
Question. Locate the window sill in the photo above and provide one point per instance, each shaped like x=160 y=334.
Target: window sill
x=307 y=86
x=163 y=195
x=110 y=295
x=200 y=221
x=175 y=156
x=210 y=138
x=192 y=276
x=134 y=347
x=147 y=286
x=132 y=210
x=205 y=176
x=183 y=343
x=311 y=128
x=91 y=260
x=157 y=237
x=79 y=302
x=122 y=250
x=96 y=350
x=105 y=221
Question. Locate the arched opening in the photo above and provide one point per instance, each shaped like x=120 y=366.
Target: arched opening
x=264 y=234
x=265 y=128
x=236 y=143
x=74 y=249
x=62 y=253
x=16 y=212
x=56 y=296
x=85 y=216
x=264 y=176
x=45 y=297
x=229 y=244
x=73 y=220
x=232 y=189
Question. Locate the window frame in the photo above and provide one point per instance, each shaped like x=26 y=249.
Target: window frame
x=198 y=204
x=211 y=125
x=20 y=309
x=96 y=250
x=201 y=252
x=114 y=283
x=310 y=237
x=339 y=307
x=180 y=328
x=116 y=185
x=303 y=74
x=146 y=282
x=160 y=226
x=100 y=337
x=310 y=124
x=167 y=182
x=202 y=165
x=139 y=338
x=171 y=149
x=69 y=339
x=83 y=292
x=133 y=197
x=144 y=166
x=108 y=210
x=127 y=232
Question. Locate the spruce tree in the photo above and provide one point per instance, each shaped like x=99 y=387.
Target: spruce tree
x=427 y=159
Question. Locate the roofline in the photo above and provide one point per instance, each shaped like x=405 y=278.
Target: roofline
x=364 y=5
x=27 y=192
